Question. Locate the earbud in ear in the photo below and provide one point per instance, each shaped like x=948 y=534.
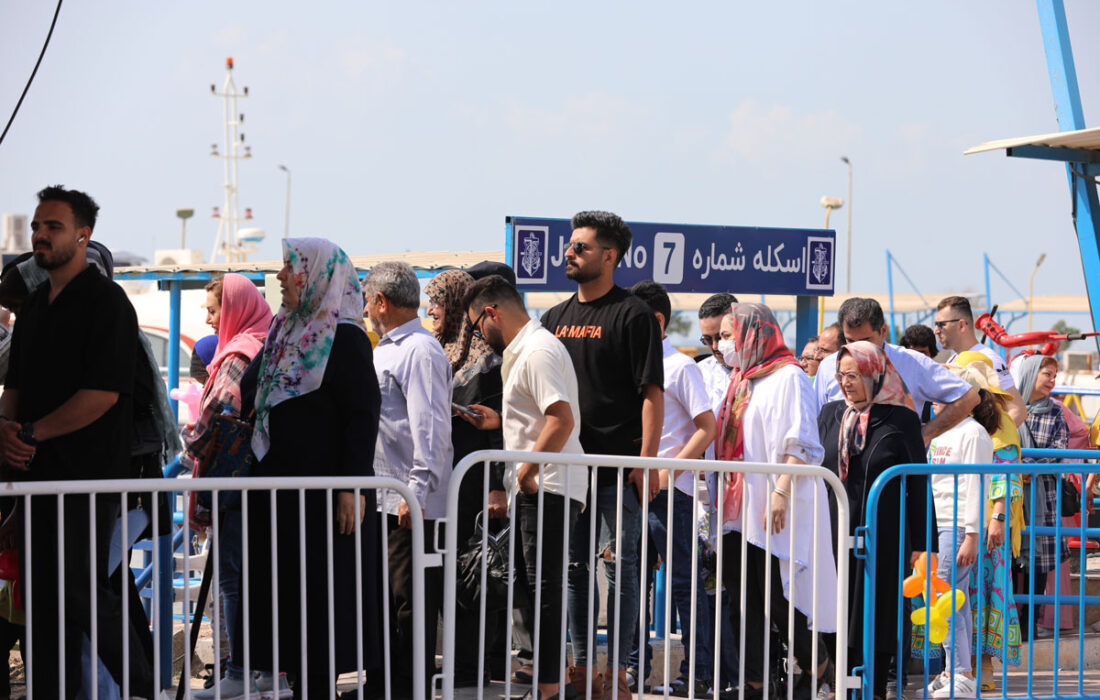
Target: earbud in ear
x=79 y=240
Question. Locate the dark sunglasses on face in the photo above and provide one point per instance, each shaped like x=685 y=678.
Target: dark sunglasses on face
x=580 y=246
x=708 y=340
x=940 y=325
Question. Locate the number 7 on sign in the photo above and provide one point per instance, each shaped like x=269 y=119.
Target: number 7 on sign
x=668 y=258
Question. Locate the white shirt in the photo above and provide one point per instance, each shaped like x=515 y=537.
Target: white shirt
x=537 y=373
x=966 y=443
x=781 y=420
x=999 y=365
x=716 y=376
x=685 y=398
x=414 y=427
x=925 y=379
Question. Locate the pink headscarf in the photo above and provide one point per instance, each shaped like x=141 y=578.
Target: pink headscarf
x=244 y=321
x=881 y=384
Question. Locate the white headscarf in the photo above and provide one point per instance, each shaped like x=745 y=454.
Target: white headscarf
x=300 y=340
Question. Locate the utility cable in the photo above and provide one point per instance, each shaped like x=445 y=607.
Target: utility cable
x=30 y=80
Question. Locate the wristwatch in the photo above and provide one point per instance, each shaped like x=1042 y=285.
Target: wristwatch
x=26 y=434
x=999 y=516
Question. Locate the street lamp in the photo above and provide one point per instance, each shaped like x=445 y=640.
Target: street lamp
x=184 y=215
x=829 y=203
x=1031 y=288
x=286 y=215
x=848 y=263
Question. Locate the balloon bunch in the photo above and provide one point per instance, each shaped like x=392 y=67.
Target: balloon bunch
x=191 y=395
x=938 y=608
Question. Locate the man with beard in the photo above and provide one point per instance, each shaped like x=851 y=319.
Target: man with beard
x=65 y=414
x=615 y=344
x=540 y=413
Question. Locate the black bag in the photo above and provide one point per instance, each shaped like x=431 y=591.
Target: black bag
x=1071 y=499
x=497 y=572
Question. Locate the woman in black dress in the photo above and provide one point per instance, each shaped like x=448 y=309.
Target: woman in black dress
x=871 y=430
x=317 y=405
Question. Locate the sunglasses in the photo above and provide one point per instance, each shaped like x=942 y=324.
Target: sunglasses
x=580 y=246
x=940 y=325
x=708 y=340
x=476 y=324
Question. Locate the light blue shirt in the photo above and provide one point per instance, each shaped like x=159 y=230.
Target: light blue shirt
x=414 y=427
x=924 y=378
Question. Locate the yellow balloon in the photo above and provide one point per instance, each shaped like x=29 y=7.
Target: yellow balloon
x=937 y=631
x=918 y=616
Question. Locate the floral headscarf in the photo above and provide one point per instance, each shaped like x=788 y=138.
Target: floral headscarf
x=760 y=347
x=881 y=385
x=448 y=290
x=300 y=339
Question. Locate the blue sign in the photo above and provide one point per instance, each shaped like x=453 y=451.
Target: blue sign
x=685 y=258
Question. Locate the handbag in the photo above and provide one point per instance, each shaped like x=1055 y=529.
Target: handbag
x=230 y=455
x=1071 y=499
x=497 y=572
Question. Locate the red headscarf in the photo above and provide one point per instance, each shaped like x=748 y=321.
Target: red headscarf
x=244 y=321
x=760 y=347
x=881 y=384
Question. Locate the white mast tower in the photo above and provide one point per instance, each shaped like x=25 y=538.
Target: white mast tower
x=228 y=242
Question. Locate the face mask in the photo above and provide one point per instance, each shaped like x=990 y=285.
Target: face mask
x=728 y=353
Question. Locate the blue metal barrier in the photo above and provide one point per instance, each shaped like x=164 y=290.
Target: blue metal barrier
x=867 y=670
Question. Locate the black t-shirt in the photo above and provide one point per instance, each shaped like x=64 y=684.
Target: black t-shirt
x=615 y=344
x=85 y=339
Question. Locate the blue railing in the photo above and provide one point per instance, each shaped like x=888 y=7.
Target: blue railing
x=868 y=670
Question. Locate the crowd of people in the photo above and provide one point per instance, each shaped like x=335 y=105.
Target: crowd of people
x=595 y=375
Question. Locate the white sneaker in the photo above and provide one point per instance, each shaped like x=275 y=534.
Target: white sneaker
x=1043 y=632
x=963 y=688
x=1096 y=626
x=266 y=687
x=232 y=689
x=938 y=682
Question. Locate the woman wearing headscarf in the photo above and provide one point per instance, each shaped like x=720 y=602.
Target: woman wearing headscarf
x=1045 y=428
x=871 y=430
x=769 y=416
x=240 y=316
x=317 y=404
x=476 y=379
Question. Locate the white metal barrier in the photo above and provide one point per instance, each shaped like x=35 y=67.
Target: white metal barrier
x=93 y=496
x=577 y=468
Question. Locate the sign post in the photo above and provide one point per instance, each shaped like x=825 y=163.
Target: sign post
x=690 y=258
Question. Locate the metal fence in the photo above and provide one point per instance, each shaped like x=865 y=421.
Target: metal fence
x=801 y=524
x=96 y=498
x=867 y=541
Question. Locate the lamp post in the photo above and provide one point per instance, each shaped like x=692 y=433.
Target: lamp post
x=848 y=262
x=184 y=215
x=829 y=203
x=1031 y=288
x=286 y=215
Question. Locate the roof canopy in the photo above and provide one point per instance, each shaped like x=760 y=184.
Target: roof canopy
x=1079 y=146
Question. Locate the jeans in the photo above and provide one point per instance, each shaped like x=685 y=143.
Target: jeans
x=229 y=575
x=678 y=571
x=581 y=562
x=950 y=541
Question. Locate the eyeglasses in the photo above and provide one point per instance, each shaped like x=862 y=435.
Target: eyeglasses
x=708 y=340
x=476 y=324
x=821 y=353
x=941 y=324
x=850 y=376
x=580 y=246
x=808 y=358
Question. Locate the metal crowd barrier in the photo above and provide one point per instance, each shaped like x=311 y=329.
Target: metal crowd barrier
x=866 y=550
x=29 y=495
x=578 y=469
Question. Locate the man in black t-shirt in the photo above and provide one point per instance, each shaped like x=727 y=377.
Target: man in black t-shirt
x=615 y=343
x=66 y=414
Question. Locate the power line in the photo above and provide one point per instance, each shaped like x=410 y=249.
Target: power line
x=30 y=80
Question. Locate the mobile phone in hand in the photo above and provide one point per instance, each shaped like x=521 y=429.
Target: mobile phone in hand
x=465 y=410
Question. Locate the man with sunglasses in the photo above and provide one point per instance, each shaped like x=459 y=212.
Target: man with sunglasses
x=954 y=327
x=716 y=373
x=615 y=344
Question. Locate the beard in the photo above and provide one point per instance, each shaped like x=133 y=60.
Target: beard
x=51 y=260
x=580 y=275
x=495 y=340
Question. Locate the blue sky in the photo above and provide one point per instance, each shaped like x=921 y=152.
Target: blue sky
x=420 y=125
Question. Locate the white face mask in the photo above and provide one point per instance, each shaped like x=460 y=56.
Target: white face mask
x=728 y=353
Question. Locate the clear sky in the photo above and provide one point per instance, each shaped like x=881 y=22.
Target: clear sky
x=419 y=126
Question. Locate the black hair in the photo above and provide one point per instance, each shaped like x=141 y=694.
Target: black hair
x=988 y=410
x=717 y=305
x=840 y=339
x=918 y=336
x=610 y=229
x=655 y=297
x=85 y=210
x=960 y=304
x=857 y=311
x=493 y=289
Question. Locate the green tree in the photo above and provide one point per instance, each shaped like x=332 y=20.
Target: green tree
x=1062 y=328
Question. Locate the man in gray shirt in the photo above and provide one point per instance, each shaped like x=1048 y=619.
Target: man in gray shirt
x=414 y=446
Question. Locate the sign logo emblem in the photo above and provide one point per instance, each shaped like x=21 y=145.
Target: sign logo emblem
x=529 y=256
x=819 y=263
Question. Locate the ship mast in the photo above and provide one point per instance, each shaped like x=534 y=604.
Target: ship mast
x=226 y=242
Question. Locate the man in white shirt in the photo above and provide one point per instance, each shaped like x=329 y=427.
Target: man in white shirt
x=954 y=327
x=414 y=446
x=689 y=427
x=926 y=381
x=716 y=374
x=540 y=413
